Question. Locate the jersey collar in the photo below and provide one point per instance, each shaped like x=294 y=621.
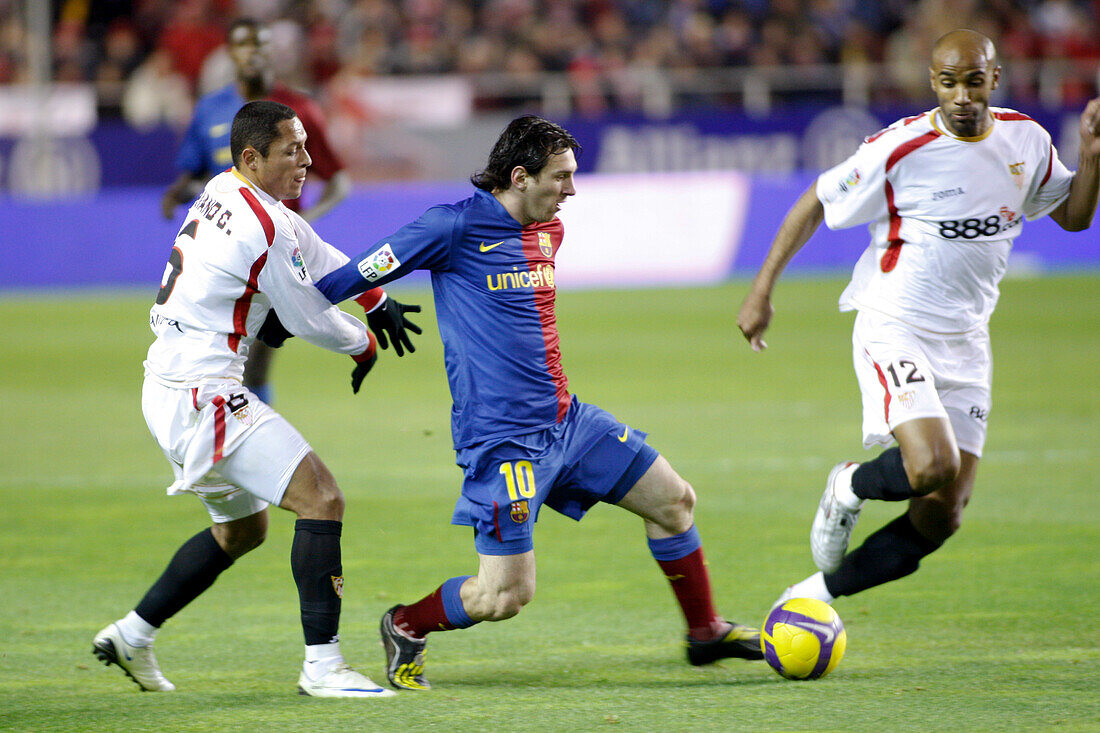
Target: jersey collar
x=941 y=128
x=255 y=189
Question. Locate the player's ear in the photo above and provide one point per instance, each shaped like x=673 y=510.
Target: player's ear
x=249 y=157
x=996 y=76
x=519 y=178
x=932 y=78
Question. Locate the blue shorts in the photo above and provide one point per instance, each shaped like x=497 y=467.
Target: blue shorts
x=588 y=457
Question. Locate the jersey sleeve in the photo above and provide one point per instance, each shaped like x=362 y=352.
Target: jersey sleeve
x=190 y=156
x=1050 y=185
x=424 y=244
x=319 y=256
x=287 y=282
x=853 y=191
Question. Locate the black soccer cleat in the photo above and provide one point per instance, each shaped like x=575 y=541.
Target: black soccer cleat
x=404 y=656
x=740 y=642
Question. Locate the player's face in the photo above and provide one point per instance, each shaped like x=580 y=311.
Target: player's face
x=964 y=80
x=543 y=195
x=248 y=49
x=283 y=172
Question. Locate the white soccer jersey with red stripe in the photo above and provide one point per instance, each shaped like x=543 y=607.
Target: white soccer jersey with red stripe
x=943 y=212
x=239 y=254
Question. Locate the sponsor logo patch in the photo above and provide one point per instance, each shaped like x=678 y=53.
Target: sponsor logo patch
x=378 y=264
x=850 y=181
x=519 y=512
x=299 y=264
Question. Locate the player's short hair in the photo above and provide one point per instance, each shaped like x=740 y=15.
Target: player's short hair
x=256 y=125
x=528 y=141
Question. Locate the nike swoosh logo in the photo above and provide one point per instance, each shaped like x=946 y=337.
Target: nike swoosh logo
x=826 y=631
x=622 y=438
x=486 y=247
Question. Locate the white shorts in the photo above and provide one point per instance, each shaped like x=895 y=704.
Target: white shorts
x=905 y=373
x=225 y=445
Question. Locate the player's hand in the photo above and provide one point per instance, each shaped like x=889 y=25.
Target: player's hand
x=273 y=332
x=389 y=323
x=1090 y=129
x=363 y=364
x=753 y=319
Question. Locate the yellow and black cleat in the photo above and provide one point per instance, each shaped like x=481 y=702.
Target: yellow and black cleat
x=740 y=642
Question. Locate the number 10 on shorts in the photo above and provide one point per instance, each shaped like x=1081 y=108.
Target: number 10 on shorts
x=520 y=478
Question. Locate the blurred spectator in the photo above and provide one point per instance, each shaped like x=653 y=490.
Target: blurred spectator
x=616 y=54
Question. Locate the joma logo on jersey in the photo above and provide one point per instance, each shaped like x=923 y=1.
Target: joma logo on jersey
x=545 y=246
x=541 y=277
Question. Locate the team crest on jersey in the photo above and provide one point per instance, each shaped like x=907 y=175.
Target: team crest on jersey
x=243 y=415
x=299 y=264
x=519 y=512
x=908 y=399
x=338 y=585
x=850 y=181
x=1017 y=171
x=545 y=246
x=378 y=264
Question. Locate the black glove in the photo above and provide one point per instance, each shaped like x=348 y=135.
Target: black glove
x=389 y=320
x=273 y=333
x=360 y=371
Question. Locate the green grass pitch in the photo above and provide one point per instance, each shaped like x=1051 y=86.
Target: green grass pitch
x=1000 y=630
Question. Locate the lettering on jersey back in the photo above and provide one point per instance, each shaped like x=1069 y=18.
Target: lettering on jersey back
x=209 y=207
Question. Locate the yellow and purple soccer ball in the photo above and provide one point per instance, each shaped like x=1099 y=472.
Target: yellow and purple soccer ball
x=803 y=639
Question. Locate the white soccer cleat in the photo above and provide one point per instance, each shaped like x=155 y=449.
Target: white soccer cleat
x=138 y=662
x=834 y=521
x=341 y=681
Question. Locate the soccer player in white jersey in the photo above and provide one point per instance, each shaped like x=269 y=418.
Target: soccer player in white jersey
x=944 y=194
x=240 y=254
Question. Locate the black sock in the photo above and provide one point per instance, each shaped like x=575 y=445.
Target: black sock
x=193 y=569
x=315 y=562
x=890 y=553
x=883 y=478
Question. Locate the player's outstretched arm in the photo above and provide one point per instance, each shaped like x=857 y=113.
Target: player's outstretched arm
x=1076 y=212
x=798 y=226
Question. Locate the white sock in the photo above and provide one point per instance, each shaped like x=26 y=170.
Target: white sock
x=842 y=489
x=320 y=658
x=813 y=587
x=136 y=631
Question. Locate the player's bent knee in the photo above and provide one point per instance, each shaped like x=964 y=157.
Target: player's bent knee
x=508 y=603
x=933 y=470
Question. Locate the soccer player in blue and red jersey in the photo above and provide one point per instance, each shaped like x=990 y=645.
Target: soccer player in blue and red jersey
x=521 y=438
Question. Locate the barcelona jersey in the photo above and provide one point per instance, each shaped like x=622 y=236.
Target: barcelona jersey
x=493 y=281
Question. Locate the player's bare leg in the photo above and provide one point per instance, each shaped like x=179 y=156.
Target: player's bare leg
x=666 y=502
x=504 y=584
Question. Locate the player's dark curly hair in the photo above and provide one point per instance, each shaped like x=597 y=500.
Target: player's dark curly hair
x=528 y=141
x=257 y=125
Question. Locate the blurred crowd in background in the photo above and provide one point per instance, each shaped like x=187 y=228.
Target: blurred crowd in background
x=154 y=57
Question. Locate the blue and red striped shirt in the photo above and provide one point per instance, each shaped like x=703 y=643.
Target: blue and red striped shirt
x=493 y=281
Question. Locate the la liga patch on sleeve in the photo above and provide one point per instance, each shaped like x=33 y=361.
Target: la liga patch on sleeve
x=299 y=265
x=375 y=265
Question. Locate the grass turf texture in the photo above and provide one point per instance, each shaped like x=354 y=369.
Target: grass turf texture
x=996 y=632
